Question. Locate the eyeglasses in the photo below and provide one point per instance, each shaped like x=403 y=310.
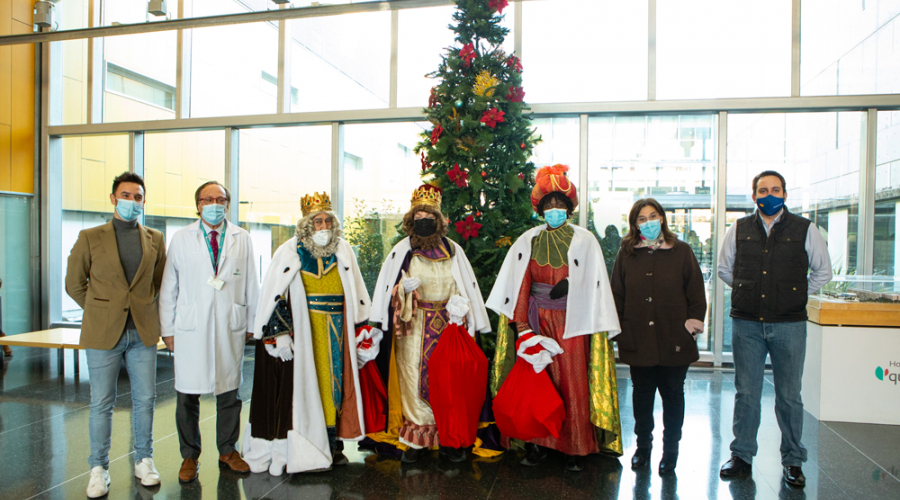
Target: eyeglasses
x=210 y=201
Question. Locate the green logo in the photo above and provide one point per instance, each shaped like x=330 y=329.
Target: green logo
x=879 y=372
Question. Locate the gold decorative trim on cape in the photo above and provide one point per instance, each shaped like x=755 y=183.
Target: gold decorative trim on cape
x=551 y=247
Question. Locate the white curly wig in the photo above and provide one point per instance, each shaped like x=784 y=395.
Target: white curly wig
x=306 y=228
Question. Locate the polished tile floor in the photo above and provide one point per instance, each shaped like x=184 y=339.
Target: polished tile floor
x=44 y=448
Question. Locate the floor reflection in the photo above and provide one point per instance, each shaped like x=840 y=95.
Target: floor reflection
x=44 y=446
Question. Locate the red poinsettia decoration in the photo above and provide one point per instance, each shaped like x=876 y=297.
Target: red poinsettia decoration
x=492 y=117
x=425 y=164
x=514 y=63
x=515 y=94
x=498 y=5
x=468 y=228
x=460 y=177
x=436 y=133
x=467 y=53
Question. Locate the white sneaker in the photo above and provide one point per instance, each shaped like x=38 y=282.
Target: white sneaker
x=146 y=472
x=99 y=484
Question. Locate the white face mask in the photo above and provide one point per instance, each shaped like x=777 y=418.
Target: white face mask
x=322 y=237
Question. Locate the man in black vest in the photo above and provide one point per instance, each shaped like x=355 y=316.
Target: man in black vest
x=765 y=258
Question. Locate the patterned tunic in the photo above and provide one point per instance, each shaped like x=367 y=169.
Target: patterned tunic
x=413 y=351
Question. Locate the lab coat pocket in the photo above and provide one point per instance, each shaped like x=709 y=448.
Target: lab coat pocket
x=186 y=318
x=238 y=318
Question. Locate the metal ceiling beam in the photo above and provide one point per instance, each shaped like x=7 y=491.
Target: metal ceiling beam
x=757 y=105
x=206 y=22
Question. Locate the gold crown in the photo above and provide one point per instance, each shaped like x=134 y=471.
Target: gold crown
x=427 y=194
x=317 y=202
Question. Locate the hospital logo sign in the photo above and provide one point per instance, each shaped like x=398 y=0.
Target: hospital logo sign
x=887 y=374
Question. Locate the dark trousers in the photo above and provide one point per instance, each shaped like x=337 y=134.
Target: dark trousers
x=669 y=381
x=228 y=422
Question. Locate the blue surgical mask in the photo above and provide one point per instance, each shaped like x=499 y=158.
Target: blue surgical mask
x=128 y=209
x=770 y=205
x=556 y=217
x=214 y=214
x=650 y=229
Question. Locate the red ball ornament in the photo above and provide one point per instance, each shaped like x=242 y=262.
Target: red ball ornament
x=522 y=145
x=477 y=214
x=521 y=176
x=484 y=174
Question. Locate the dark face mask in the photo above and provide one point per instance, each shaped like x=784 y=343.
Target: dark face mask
x=425 y=227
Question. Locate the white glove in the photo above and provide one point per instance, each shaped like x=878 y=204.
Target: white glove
x=410 y=284
x=282 y=349
x=364 y=355
x=539 y=360
x=457 y=308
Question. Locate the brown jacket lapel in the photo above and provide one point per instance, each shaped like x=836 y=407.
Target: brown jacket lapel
x=111 y=249
x=146 y=246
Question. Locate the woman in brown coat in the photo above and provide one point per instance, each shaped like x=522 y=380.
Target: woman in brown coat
x=661 y=301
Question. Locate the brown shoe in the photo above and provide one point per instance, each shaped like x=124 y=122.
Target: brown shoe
x=234 y=462
x=188 y=470
x=7 y=350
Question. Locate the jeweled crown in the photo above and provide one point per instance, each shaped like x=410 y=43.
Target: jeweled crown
x=426 y=194
x=316 y=202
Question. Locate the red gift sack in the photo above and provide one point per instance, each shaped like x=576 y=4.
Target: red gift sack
x=374 y=397
x=371 y=386
x=457 y=381
x=527 y=405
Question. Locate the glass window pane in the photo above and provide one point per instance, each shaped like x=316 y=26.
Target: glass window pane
x=175 y=164
x=596 y=51
x=669 y=158
x=381 y=170
x=71 y=15
x=89 y=165
x=341 y=62
x=887 y=194
x=15 y=263
x=850 y=47
x=278 y=167
x=423 y=37
x=140 y=70
x=818 y=154
x=709 y=48
x=230 y=68
x=560 y=143
x=73 y=62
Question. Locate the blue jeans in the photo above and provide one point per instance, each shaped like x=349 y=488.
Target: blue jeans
x=103 y=369
x=786 y=345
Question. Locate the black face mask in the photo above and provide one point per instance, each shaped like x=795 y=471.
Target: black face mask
x=425 y=227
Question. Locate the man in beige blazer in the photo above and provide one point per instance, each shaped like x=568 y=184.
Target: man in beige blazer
x=114 y=274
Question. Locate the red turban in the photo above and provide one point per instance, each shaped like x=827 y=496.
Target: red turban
x=553 y=179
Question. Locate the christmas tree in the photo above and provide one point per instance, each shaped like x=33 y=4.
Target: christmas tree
x=478 y=148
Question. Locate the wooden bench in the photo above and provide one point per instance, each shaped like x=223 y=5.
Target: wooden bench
x=56 y=338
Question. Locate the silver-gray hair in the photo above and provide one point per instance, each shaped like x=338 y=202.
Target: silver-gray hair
x=306 y=228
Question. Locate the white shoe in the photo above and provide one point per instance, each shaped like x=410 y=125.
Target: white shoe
x=99 y=484
x=146 y=472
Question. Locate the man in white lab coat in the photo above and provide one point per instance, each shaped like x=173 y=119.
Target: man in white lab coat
x=207 y=302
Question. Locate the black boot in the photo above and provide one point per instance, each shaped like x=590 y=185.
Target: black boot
x=575 y=463
x=411 y=455
x=668 y=462
x=455 y=455
x=534 y=454
x=641 y=458
x=338 y=457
